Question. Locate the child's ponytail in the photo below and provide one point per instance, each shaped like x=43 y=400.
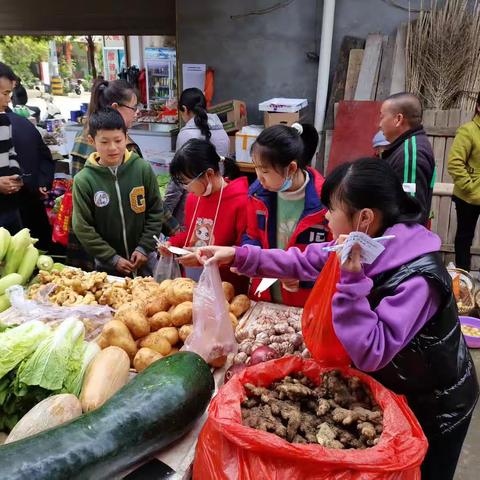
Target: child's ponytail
x=194 y=101
x=279 y=145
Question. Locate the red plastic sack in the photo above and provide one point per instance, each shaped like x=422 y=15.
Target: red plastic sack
x=317 y=325
x=62 y=221
x=228 y=450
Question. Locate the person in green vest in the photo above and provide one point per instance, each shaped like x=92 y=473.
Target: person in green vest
x=464 y=167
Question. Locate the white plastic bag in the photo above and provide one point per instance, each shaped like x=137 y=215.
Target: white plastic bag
x=213 y=337
x=23 y=310
x=167 y=268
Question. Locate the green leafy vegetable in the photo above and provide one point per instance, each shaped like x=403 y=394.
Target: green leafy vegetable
x=18 y=343
x=77 y=365
x=47 y=367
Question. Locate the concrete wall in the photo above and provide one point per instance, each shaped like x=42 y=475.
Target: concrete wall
x=262 y=56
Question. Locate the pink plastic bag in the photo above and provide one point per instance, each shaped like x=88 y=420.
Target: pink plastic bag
x=213 y=337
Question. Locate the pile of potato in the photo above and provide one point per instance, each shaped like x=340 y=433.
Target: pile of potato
x=159 y=319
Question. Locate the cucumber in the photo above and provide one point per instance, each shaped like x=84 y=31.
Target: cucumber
x=156 y=408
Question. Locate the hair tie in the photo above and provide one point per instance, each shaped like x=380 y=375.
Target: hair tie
x=298 y=127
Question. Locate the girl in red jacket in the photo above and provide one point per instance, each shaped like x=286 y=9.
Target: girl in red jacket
x=284 y=207
x=216 y=206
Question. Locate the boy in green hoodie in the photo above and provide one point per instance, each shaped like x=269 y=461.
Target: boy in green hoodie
x=117 y=208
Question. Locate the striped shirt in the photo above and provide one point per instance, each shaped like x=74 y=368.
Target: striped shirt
x=8 y=161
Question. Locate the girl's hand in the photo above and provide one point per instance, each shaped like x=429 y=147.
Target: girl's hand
x=203 y=256
x=163 y=249
x=352 y=264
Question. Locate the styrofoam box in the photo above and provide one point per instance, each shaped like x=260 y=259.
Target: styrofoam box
x=244 y=141
x=284 y=105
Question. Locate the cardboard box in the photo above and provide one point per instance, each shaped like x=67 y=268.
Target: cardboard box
x=244 y=141
x=284 y=105
x=273 y=118
x=233 y=114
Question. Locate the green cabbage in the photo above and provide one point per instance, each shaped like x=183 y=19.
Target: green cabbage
x=18 y=343
x=81 y=357
x=47 y=367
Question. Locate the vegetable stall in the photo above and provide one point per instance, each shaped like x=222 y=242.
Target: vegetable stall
x=100 y=374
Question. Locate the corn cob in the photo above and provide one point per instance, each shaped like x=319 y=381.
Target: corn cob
x=4 y=303
x=28 y=264
x=16 y=251
x=9 y=281
x=4 y=242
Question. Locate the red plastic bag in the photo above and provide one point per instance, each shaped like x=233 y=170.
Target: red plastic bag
x=228 y=450
x=317 y=325
x=62 y=221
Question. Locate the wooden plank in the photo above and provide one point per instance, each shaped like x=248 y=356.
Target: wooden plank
x=385 y=74
x=368 y=77
x=339 y=77
x=443 y=189
x=453 y=123
x=441 y=120
x=441 y=131
x=435 y=208
x=439 y=143
x=399 y=66
x=450 y=248
x=246 y=167
x=354 y=65
x=452 y=227
x=328 y=146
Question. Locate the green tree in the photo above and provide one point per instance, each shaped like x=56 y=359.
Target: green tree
x=20 y=52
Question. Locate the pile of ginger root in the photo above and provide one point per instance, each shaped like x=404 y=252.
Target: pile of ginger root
x=339 y=413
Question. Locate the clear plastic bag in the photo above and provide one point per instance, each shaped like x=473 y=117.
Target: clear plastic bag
x=24 y=310
x=167 y=268
x=213 y=337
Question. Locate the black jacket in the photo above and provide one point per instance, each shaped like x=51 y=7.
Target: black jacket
x=435 y=370
x=414 y=149
x=33 y=155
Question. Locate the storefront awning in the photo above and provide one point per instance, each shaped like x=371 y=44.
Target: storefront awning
x=81 y=17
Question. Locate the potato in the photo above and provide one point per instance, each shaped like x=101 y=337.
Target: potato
x=228 y=290
x=102 y=341
x=233 y=319
x=171 y=334
x=181 y=290
x=145 y=357
x=240 y=304
x=165 y=285
x=158 y=304
x=134 y=319
x=157 y=342
x=171 y=309
x=173 y=351
x=160 y=320
x=182 y=315
x=117 y=334
x=184 y=332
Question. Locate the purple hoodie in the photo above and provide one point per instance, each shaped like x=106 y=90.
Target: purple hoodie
x=371 y=337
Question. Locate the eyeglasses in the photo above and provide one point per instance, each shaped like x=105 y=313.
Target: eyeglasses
x=187 y=185
x=134 y=109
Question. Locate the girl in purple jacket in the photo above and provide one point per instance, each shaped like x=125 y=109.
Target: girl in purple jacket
x=397 y=316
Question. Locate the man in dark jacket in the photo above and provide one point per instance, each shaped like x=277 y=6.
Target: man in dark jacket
x=38 y=166
x=409 y=153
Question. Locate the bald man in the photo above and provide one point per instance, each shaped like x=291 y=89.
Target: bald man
x=410 y=152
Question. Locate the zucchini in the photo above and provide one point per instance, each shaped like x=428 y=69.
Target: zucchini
x=156 y=408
